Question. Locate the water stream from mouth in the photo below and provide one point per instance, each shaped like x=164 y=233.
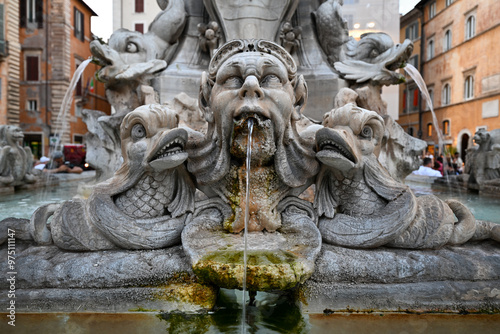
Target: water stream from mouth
x=415 y=75
x=247 y=218
x=62 y=117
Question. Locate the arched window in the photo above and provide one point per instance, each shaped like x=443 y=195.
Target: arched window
x=447 y=40
x=429 y=129
x=430 y=49
x=469 y=87
x=470 y=27
x=446 y=95
x=446 y=128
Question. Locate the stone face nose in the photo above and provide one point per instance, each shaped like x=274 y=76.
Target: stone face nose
x=251 y=88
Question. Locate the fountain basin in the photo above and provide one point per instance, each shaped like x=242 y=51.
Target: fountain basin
x=276 y=260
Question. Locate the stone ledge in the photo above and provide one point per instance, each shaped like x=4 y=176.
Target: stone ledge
x=438 y=296
x=145 y=299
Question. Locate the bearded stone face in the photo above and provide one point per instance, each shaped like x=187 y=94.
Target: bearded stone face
x=252 y=86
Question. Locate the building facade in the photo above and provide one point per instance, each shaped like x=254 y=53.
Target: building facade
x=458 y=60
x=134 y=15
x=10 y=52
x=55 y=39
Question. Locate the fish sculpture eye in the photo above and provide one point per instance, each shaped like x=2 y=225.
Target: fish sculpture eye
x=138 y=132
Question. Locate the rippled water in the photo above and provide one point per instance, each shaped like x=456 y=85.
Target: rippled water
x=23 y=203
x=483 y=207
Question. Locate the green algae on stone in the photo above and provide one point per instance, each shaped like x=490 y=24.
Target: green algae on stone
x=198 y=294
x=266 y=270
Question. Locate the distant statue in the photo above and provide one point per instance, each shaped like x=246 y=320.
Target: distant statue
x=131 y=59
x=368 y=64
x=483 y=161
x=16 y=162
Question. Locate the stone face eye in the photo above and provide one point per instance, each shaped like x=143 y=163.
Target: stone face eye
x=131 y=47
x=233 y=82
x=270 y=80
x=367 y=132
x=138 y=132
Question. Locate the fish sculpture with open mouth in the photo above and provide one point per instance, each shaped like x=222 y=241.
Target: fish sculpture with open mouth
x=147 y=202
x=361 y=206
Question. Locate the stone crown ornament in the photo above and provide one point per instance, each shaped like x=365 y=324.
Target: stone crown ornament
x=253 y=45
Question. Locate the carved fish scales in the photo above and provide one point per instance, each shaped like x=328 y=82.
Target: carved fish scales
x=354 y=197
x=149 y=198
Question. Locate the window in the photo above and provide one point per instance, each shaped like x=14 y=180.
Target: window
x=31 y=13
x=78 y=21
x=3 y=42
x=139 y=6
x=413 y=98
x=429 y=129
x=139 y=27
x=414 y=61
x=447 y=40
x=432 y=10
x=469 y=87
x=446 y=128
x=470 y=27
x=448 y=2
x=411 y=131
x=77 y=139
x=430 y=49
x=446 y=97
x=428 y=103
x=411 y=31
x=32 y=105
x=32 y=68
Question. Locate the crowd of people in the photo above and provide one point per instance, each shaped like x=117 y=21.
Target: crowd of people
x=440 y=166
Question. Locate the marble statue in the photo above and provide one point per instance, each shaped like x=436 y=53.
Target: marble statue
x=16 y=162
x=483 y=161
x=360 y=205
x=253 y=80
x=147 y=202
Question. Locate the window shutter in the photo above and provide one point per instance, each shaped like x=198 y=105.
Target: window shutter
x=407 y=33
x=39 y=13
x=82 y=27
x=139 y=6
x=75 y=27
x=22 y=13
x=415 y=98
x=32 y=64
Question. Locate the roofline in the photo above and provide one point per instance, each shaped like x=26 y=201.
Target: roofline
x=92 y=13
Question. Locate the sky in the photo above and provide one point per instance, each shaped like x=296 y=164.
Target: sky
x=102 y=25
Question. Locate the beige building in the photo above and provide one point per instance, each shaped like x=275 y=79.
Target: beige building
x=459 y=63
x=10 y=52
x=134 y=15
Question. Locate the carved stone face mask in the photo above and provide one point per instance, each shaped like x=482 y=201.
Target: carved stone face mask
x=259 y=81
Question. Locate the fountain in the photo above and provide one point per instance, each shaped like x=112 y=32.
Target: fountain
x=251 y=202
